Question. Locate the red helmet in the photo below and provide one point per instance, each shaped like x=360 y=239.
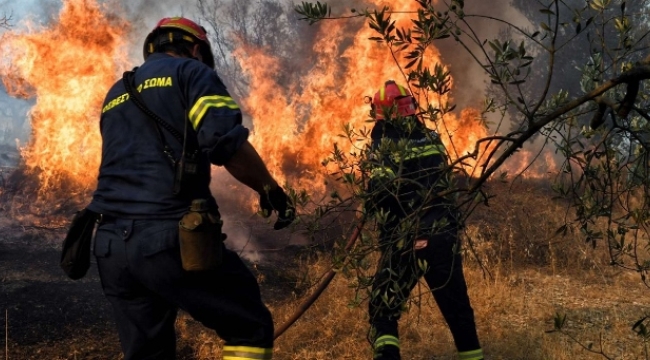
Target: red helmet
x=392 y=94
x=179 y=29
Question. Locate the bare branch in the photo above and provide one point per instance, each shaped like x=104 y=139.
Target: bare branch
x=5 y=21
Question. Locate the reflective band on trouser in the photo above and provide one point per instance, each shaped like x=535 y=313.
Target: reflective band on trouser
x=385 y=340
x=471 y=355
x=246 y=353
x=203 y=104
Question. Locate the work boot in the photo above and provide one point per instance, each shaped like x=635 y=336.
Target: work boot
x=387 y=352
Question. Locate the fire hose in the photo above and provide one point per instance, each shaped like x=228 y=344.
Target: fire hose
x=325 y=281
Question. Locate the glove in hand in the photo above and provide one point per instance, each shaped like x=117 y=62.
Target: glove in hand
x=277 y=200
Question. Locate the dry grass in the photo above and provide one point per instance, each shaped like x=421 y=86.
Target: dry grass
x=519 y=273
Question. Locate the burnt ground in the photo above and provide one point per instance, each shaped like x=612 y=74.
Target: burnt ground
x=45 y=315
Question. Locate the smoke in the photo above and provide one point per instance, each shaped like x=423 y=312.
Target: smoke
x=248 y=233
x=470 y=80
x=33 y=10
x=14 y=127
x=294 y=44
x=144 y=14
x=30 y=15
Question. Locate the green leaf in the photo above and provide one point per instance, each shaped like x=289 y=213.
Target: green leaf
x=411 y=63
x=545 y=27
x=495 y=46
x=599 y=5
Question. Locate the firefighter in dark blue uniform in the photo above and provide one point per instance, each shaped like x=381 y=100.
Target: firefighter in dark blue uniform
x=141 y=199
x=417 y=229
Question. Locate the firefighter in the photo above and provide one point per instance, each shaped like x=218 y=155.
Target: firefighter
x=417 y=228
x=148 y=179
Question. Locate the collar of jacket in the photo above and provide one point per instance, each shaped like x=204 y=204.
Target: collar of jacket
x=157 y=56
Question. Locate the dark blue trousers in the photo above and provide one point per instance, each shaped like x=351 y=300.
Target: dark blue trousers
x=400 y=270
x=142 y=277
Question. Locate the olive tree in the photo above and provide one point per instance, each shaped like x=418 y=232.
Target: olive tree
x=576 y=79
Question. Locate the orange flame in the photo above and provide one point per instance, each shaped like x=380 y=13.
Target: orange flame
x=460 y=135
x=68 y=68
x=333 y=94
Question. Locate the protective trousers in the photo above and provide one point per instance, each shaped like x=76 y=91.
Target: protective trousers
x=398 y=273
x=141 y=274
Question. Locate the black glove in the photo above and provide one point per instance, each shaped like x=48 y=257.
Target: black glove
x=277 y=200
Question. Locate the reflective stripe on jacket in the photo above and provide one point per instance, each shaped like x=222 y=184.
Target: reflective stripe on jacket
x=135 y=177
x=407 y=170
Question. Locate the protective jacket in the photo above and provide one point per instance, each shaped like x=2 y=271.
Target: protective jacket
x=407 y=171
x=136 y=177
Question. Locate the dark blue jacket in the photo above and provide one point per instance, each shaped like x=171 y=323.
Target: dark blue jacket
x=136 y=177
x=408 y=165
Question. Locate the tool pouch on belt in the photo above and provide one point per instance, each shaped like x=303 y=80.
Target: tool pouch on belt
x=200 y=238
x=75 y=255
